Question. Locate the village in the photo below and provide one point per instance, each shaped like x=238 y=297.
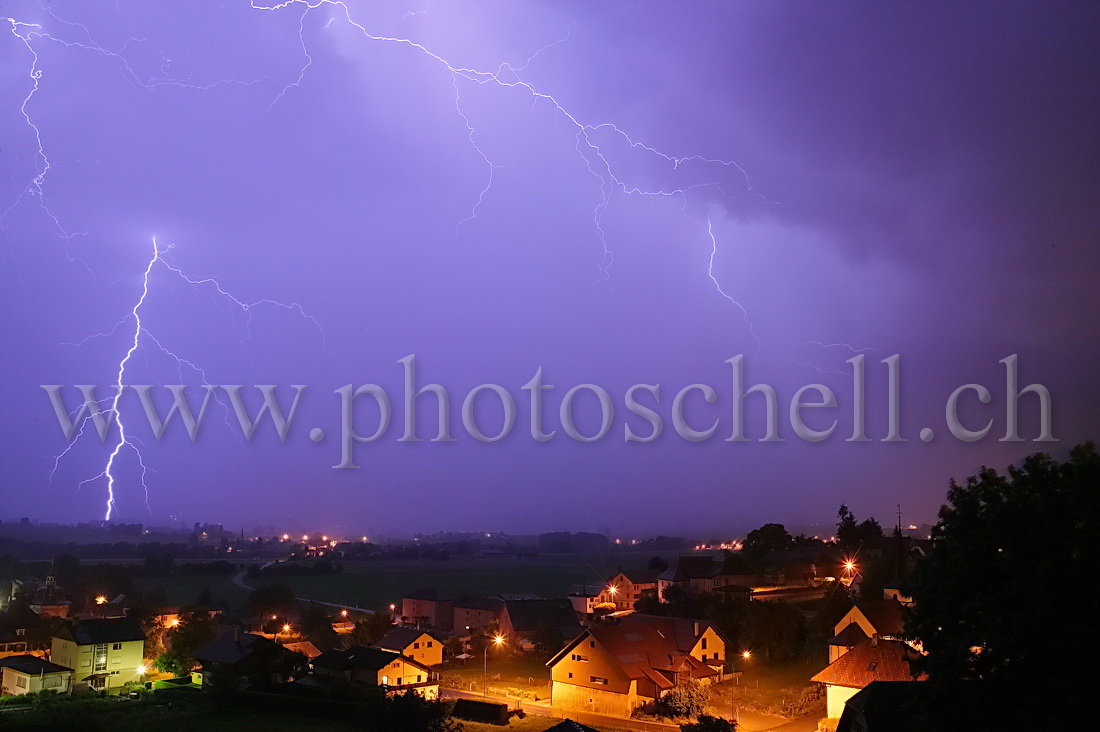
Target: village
x=768 y=632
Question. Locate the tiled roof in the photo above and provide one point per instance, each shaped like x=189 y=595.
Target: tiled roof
x=105 y=630
x=872 y=660
x=399 y=639
x=232 y=647
x=652 y=648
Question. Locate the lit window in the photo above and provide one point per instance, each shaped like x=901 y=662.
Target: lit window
x=597 y=680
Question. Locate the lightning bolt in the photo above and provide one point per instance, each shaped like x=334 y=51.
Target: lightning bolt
x=141 y=332
x=596 y=145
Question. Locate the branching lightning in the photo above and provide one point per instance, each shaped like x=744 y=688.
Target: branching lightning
x=591 y=143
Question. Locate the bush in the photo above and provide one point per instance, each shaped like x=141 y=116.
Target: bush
x=686 y=700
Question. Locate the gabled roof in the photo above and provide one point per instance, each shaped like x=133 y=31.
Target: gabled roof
x=102 y=630
x=640 y=576
x=687 y=631
x=685 y=569
x=568 y=725
x=233 y=648
x=850 y=637
x=361 y=657
x=887 y=616
x=32 y=665
x=400 y=638
x=530 y=615
x=649 y=647
x=872 y=660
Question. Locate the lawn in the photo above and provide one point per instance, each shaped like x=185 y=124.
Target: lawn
x=522 y=676
x=375 y=584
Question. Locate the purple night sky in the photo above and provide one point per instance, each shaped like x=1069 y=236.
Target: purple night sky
x=499 y=186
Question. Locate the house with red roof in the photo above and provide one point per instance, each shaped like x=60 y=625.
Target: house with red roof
x=875 y=659
x=614 y=669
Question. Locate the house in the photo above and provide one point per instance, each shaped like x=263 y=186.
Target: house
x=104 y=653
x=883 y=618
x=626 y=588
x=893 y=591
x=527 y=623
x=413 y=644
x=889 y=706
x=23 y=632
x=427 y=607
x=376 y=667
x=252 y=660
x=49 y=600
x=474 y=616
x=31 y=674
x=703 y=573
x=306 y=648
x=614 y=669
x=876 y=659
x=585 y=599
x=845 y=640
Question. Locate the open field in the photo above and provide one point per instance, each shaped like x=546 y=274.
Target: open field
x=375 y=584
x=185 y=589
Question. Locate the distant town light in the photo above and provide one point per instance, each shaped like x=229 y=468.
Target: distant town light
x=392 y=607
x=344 y=613
x=305 y=537
x=286 y=628
x=286 y=537
x=324 y=538
x=364 y=539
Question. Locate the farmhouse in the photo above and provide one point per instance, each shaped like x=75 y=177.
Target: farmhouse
x=413 y=644
x=626 y=588
x=375 y=667
x=614 y=669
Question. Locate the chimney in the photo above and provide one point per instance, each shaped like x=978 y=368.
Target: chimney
x=236 y=634
x=696 y=628
x=874 y=641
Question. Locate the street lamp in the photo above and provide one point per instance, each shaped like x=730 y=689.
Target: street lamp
x=746 y=655
x=498 y=640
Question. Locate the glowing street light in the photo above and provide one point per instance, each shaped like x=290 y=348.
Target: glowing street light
x=393 y=607
x=344 y=613
x=286 y=627
x=498 y=640
x=746 y=655
x=142 y=670
x=101 y=600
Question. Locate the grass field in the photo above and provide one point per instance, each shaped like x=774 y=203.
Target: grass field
x=184 y=589
x=375 y=584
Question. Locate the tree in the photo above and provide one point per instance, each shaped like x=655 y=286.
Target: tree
x=274 y=599
x=196 y=628
x=767 y=539
x=657 y=564
x=369 y=630
x=174 y=662
x=685 y=700
x=846 y=528
x=1005 y=573
x=707 y=723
